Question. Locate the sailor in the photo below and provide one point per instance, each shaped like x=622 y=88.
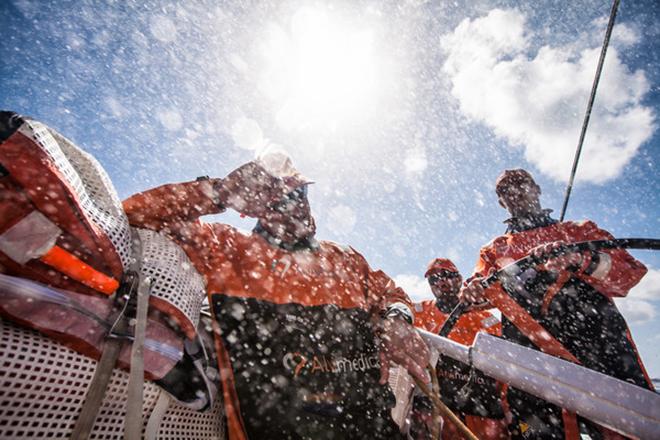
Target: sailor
x=571 y=296
x=305 y=330
x=473 y=396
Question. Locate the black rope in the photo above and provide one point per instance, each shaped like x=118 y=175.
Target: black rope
x=585 y=123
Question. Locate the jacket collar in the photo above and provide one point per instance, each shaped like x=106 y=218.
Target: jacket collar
x=531 y=221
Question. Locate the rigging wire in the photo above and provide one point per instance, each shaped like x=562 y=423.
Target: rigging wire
x=592 y=97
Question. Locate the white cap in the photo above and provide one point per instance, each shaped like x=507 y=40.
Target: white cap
x=279 y=164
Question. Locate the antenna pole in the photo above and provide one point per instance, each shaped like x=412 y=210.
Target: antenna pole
x=585 y=123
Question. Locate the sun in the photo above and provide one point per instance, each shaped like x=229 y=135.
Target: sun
x=322 y=70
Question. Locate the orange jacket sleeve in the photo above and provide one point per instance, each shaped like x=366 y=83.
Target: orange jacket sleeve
x=617 y=271
x=485 y=262
x=614 y=275
x=487 y=258
x=380 y=289
x=168 y=205
x=383 y=292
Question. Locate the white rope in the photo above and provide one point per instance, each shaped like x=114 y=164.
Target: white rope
x=156 y=417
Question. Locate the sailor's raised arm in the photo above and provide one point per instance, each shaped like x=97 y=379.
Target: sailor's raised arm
x=173 y=203
x=249 y=189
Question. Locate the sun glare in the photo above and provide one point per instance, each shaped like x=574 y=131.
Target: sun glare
x=321 y=71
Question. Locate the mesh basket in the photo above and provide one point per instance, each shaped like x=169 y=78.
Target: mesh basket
x=176 y=287
x=43 y=386
x=98 y=198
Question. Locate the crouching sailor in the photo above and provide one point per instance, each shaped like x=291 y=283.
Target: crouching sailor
x=305 y=330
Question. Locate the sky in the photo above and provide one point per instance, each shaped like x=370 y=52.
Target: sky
x=402 y=112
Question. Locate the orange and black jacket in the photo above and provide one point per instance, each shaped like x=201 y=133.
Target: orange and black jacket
x=293 y=327
x=574 y=306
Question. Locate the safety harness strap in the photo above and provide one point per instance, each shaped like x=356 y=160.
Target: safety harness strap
x=133 y=422
x=97 y=387
x=527 y=324
x=156 y=417
x=131 y=283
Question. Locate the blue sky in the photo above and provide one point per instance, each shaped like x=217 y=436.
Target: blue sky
x=404 y=113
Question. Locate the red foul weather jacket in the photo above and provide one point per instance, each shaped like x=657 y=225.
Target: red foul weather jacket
x=293 y=328
x=574 y=306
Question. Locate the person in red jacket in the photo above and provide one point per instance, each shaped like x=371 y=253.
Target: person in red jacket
x=475 y=399
x=570 y=296
x=305 y=329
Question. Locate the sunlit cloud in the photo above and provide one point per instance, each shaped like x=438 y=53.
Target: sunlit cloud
x=415 y=161
x=415 y=286
x=640 y=304
x=536 y=97
x=247 y=134
x=636 y=311
x=649 y=287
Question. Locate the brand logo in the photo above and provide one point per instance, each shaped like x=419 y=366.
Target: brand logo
x=302 y=364
x=455 y=375
x=282 y=266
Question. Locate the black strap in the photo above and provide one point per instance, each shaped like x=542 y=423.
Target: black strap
x=453 y=317
x=9 y=123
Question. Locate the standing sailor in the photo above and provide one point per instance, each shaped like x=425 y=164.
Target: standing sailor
x=305 y=329
x=570 y=296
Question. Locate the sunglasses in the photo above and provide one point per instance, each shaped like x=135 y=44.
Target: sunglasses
x=298 y=193
x=444 y=274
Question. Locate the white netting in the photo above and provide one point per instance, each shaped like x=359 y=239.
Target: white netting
x=181 y=423
x=173 y=277
x=43 y=385
x=98 y=198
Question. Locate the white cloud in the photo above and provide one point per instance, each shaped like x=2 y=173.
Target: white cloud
x=638 y=307
x=536 y=98
x=27 y=7
x=649 y=287
x=636 y=311
x=247 y=134
x=415 y=286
